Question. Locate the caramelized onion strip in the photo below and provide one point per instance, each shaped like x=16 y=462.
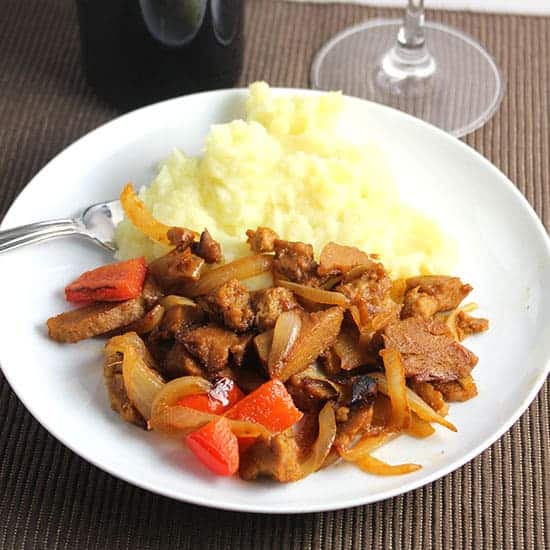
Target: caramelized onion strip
x=243 y=268
x=397 y=388
x=138 y=214
x=174 y=300
x=286 y=332
x=148 y=322
x=317 y=295
x=177 y=421
x=372 y=465
x=420 y=407
x=178 y=388
x=323 y=443
x=141 y=381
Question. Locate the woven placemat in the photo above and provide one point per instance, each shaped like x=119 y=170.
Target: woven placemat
x=52 y=499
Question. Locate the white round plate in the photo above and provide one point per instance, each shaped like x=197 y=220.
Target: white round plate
x=504 y=254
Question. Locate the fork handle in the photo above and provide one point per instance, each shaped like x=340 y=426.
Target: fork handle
x=37 y=232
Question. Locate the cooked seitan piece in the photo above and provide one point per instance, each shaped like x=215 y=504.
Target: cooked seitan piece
x=371 y=294
x=309 y=394
x=357 y=419
x=208 y=249
x=112 y=373
x=177 y=320
x=230 y=303
x=318 y=332
x=95 y=319
x=428 y=350
x=213 y=346
x=457 y=390
x=351 y=351
x=429 y=294
x=467 y=325
x=180 y=237
x=178 y=362
x=294 y=261
x=330 y=361
x=275 y=457
x=337 y=259
x=433 y=397
x=270 y=303
x=261 y=240
x=419 y=304
x=151 y=292
x=176 y=268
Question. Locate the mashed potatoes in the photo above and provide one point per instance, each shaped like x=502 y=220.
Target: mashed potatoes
x=285 y=168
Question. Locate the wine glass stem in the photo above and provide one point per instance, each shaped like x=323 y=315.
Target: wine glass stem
x=409 y=57
x=411 y=34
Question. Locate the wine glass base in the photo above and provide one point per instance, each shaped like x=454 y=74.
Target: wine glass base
x=458 y=93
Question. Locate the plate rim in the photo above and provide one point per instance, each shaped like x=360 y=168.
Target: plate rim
x=222 y=504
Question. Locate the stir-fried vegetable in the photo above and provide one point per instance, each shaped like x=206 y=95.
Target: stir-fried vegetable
x=243 y=268
x=148 y=322
x=422 y=409
x=173 y=300
x=109 y=283
x=419 y=428
x=323 y=443
x=138 y=214
x=176 y=421
x=142 y=381
x=177 y=389
x=270 y=405
x=366 y=445
x=221 y=397
x=286 y=332
x=372 y=465
x=319 y=347
x=216 y=446
x=317 y=295
x=397 y=388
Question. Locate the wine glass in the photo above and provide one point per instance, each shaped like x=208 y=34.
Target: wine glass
x=431 y=71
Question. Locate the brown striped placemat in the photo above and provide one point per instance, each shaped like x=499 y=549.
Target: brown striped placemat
x=52 y=499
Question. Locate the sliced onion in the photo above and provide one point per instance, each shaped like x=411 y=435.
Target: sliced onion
x=173 y=300
x=397 y=388
x=141 y=380
x=372 y=465
x=398 y=290
x=313 y=372
x=243 y=268
x=356 y=272
x=148 y=322
x=366 y=445
x=177 y=421
x=451 y=318
x=263 y=345
x=178 y=388
x=317 y=295
x=352 y=350
x=286 y=332
x=137 y=213
x=421 y=408
x=323 y=444
x=419 y=428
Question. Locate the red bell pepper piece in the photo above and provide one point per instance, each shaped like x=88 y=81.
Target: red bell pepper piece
x=109 y=283
x=269 y=405
x=216 y=446
x=221 y=397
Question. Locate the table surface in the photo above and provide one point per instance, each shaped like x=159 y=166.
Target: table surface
x=52 y=499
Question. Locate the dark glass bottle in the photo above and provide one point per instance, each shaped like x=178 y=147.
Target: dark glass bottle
x=137 y=52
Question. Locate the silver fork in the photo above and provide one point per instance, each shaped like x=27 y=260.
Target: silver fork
x=97 y=223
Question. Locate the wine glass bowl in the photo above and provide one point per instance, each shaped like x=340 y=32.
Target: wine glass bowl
x=429 y=70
